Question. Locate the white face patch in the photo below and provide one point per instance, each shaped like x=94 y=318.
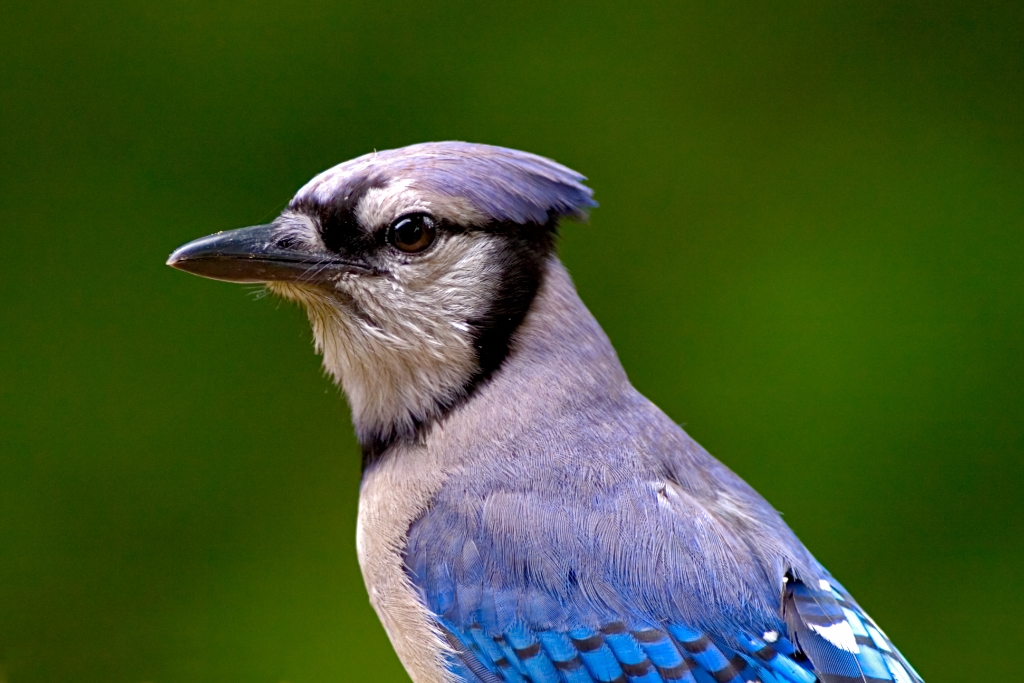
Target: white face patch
x=400 y=334
x=325 y=186
x=400 y=344
x=382 y=205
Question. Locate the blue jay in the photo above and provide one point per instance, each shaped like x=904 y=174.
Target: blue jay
x=525 y=514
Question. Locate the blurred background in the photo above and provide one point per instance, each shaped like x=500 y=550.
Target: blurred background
x=809 y=250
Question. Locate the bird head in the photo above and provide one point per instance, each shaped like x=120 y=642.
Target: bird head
x=416 y=266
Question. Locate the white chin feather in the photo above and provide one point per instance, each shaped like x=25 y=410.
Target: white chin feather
x=400 y=346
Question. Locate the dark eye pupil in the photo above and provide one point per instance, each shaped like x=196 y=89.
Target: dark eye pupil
x=412 y=233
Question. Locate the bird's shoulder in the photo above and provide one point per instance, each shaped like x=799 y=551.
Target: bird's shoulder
x=529 y=588
x=628 y=496
x=582 y=541
x=604 y=554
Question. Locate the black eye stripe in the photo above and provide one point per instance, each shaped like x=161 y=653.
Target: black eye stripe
x=336 y=219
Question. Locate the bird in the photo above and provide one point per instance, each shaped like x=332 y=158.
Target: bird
x=525 y=514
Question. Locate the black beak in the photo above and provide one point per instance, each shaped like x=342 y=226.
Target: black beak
x=254 y=255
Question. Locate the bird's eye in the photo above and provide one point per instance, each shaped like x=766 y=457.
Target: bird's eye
x=412 y=233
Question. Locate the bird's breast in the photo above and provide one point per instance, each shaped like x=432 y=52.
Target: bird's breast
x=395 y=492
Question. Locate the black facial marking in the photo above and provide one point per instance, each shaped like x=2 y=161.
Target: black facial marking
x=339 y=229
x=523 y=251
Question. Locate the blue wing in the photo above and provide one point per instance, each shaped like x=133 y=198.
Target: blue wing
x=517 y=620
x=615 y=653
x=829 y=639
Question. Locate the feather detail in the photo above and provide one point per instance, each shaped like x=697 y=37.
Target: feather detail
x=839 y=638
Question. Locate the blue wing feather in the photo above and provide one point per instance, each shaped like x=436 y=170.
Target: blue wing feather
x=840 y=639
x=825 y=637
x=580 y=594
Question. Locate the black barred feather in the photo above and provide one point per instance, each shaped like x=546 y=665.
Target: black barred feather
x=843 y=643
x=823 y=636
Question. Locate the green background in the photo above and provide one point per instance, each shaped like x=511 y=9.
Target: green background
x=810 y=250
